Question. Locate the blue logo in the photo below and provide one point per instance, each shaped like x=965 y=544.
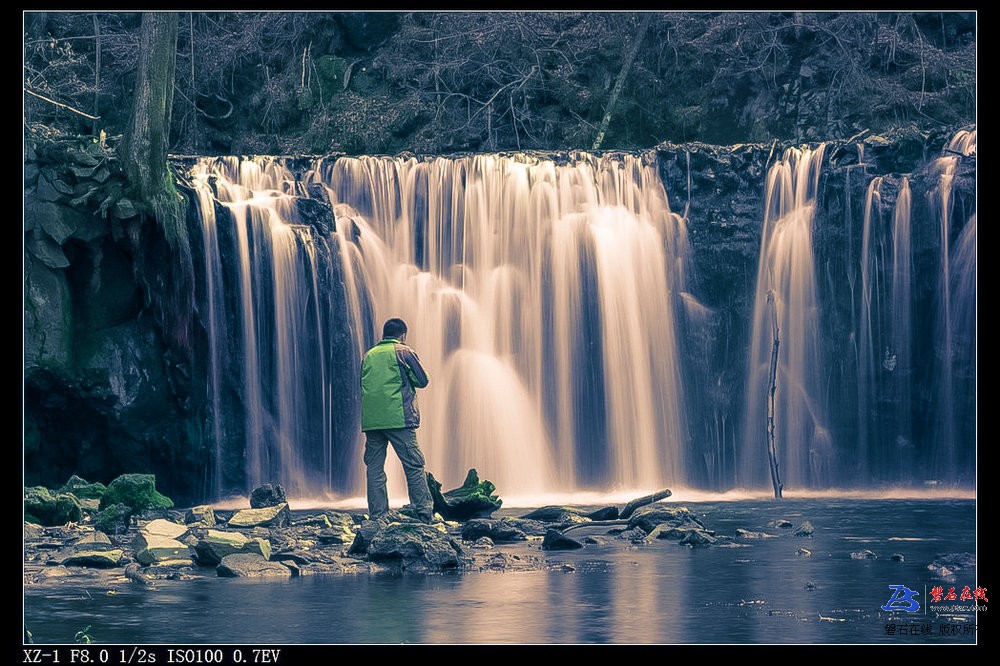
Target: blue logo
x=902 y=600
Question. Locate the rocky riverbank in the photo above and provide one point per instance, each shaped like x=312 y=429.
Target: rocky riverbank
x=87 y=530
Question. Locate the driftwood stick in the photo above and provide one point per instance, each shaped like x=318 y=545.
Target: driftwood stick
x=643 y=501
x=595 y=523
x=772 y=454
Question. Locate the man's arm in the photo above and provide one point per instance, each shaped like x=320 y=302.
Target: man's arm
x=414 y=370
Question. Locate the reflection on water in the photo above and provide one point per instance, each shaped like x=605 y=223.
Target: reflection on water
x=755 y=591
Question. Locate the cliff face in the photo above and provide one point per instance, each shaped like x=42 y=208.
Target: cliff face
x=104 y=392
x=108 y=391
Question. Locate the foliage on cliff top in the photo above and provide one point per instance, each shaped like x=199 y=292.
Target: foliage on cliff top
x=439 y=82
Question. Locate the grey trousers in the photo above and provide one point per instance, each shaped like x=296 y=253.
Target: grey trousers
x=404 y=443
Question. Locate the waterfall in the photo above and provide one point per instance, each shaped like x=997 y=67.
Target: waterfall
x=956 y=294
x=276 y=330
x=541 y=297
x=885 y=449
x=786 y=305
x=898 y=359
x=551 y=299
x=871 y=319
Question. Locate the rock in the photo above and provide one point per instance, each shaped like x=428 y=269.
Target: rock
x=152 y=548
x=698 y=538
x=634 y=535
x=336 y=535
x=945 y=566
x=897 y=557
x=137 y=491
x=649 y=517
x=165 y=528
x=101 y=559
x=473 y=499
x=321 y=521
x=202 y=515
x=41 y=506
x=46 y=250
x=556 y=540
x=251 y=565
x=33 y=531
x=680 y=533
x=804 y=530
x=483 y=542
x=269 y=516
x=95 y=540
x=367 y=531
x=138 y=574
x=748 y=534
x=415 y=546
x=503 y=530
x=607 y=513
x=269 y=494
x=82 y=489
x=215 y=545
x=114 y=519
x=556 y=514
x=780 y=523
x=124 y=209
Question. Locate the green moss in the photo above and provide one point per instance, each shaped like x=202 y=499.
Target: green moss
x=137 y=491
x=50 y=509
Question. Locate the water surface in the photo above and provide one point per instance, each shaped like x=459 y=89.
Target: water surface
x=760 y=591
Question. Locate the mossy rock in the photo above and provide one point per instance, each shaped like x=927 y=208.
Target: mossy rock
x=137 y=491
x=474 y=499
x=45 y=508
x=114 y=519
x=83 y=489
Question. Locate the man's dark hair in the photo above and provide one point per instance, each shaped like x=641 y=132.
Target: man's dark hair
x=393 y=328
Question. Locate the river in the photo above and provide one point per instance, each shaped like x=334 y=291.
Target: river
x=755 y=591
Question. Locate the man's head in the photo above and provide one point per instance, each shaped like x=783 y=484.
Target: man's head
x=394 y=328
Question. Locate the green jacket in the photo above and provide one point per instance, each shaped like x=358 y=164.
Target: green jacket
x=390 y=375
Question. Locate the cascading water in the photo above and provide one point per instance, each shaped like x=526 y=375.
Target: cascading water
x=549 y=300
x=885 y=448
x=786 y=308
x=274 y=336
x=955 y=351
x=542 y=297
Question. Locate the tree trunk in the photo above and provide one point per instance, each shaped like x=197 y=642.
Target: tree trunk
x=144 y=146
x=626 y=67
x=143 y=154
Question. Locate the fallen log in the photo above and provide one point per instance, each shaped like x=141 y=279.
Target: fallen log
x=643 y=501
x=625 y=513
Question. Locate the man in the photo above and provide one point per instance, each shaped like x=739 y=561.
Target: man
x=390 y=375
